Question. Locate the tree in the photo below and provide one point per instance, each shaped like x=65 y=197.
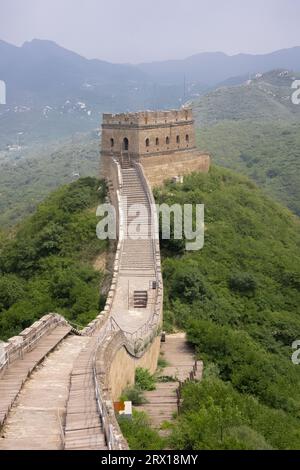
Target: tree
x=12 y=289
x=242 y=282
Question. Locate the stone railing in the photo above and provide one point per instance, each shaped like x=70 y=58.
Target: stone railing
x=17 y=346
x=156 y=320
x=115 y=198
x=110 y=344
x=102 y=326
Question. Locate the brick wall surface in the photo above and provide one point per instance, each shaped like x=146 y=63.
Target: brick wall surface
x=123 y=365
x=163 y=167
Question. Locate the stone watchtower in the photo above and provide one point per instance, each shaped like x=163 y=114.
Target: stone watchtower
x=162 y=141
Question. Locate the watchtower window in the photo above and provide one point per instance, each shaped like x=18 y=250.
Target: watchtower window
x=147 y=142
x=178 y=139
x=125 y=144
x=157 y=141
x=187 y=138
x=167 y=140
x=112 y=143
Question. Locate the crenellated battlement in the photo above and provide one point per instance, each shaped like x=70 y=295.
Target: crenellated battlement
x=148 y=118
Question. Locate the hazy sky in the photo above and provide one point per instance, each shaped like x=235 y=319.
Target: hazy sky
x=145 y=30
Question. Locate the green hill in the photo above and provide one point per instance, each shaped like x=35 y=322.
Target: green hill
x=238 y=299
x=267 y=97
x=47 y=266
x=255 y=129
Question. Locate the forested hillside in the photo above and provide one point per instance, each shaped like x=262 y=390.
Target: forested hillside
x=238 y=299
x=47 y=266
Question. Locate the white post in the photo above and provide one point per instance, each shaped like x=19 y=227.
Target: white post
x=2 y=92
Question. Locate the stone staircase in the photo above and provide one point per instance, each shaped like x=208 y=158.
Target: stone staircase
x=163 y=402
x=140 y=299
x=137 y=255
x=125 y=160
x=35 y=421
x=14 y=377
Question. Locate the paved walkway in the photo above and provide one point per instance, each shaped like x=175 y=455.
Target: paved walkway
x=16 y=374
x=83 y=429
x=35 y=420
x=137 y=266
x=127 y=317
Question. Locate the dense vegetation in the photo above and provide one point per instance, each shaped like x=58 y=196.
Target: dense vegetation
x=217 y=417
x=268 y=152
x=255 y=129
x=266 y=97
x=238 y=299
x=47 y=265
x=139 y=434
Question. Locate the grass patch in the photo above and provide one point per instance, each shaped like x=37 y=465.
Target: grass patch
x=144 y=380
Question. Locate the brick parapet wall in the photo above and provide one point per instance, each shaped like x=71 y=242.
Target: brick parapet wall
x=17 y=346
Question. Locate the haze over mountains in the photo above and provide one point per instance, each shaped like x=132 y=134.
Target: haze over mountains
x=53 y=92
x=247 y=125
x=212 y=68
x=41 y=67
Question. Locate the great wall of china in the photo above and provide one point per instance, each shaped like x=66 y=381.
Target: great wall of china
x=75 y=376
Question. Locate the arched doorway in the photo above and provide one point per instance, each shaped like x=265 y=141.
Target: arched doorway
x=125 y=157
x=125 y=144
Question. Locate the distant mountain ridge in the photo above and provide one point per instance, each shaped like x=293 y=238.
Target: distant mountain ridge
x=41 y=67
x=53 y=92
x=44 y=70
x=211 y=68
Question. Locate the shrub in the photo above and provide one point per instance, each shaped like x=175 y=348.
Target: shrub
x=139 y=434
x=144 y=380
x=162 y=362
x=12 y=289
x=133 y=394
x=242 y=282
